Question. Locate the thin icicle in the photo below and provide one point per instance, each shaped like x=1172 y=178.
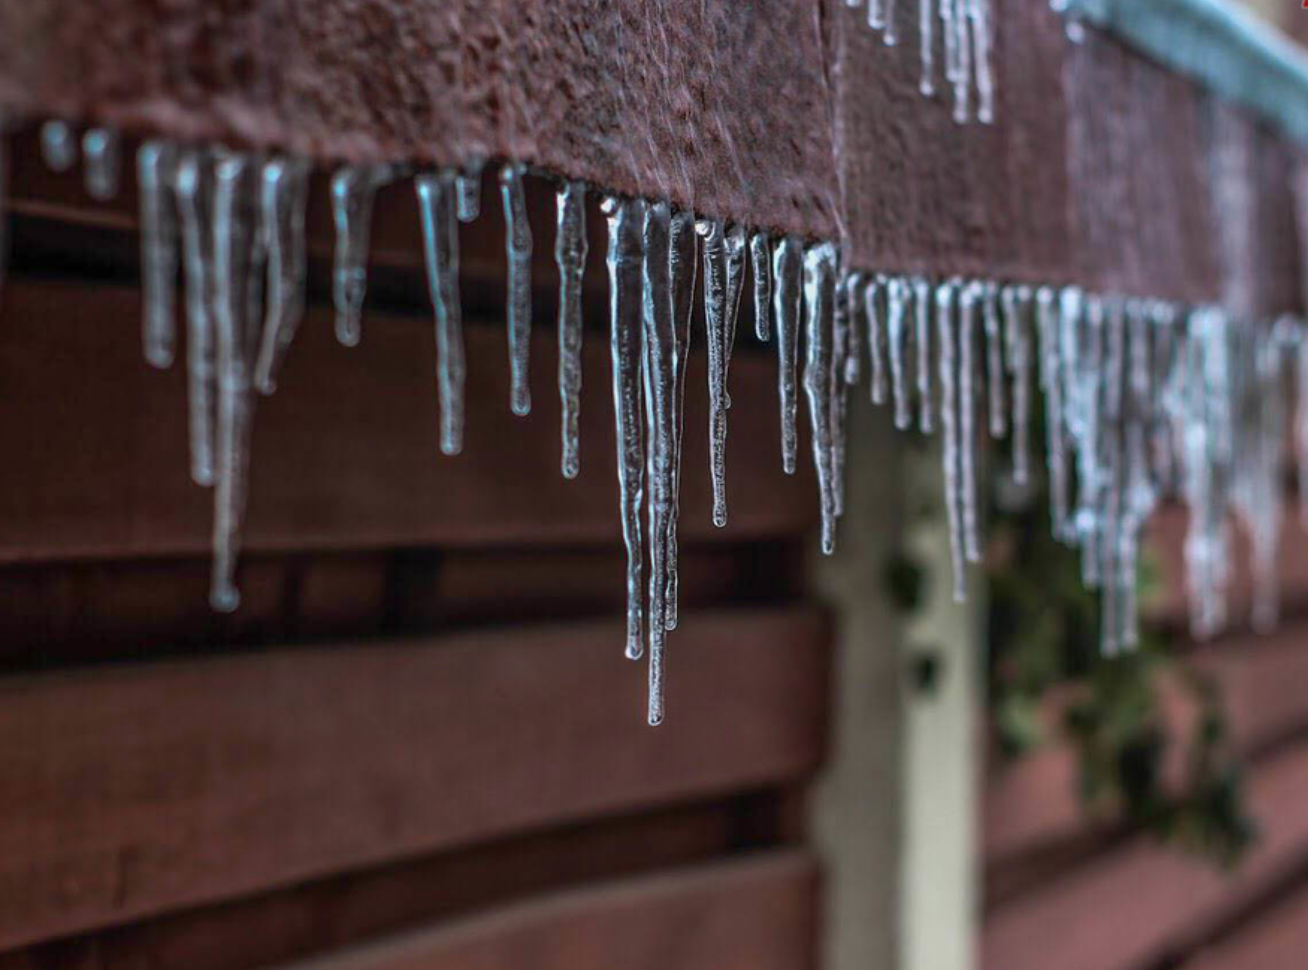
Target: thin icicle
x=963 y=67
x=857 y=310
x=684 y=262
x=1015 y=302
x=876 y=14
x=626 y=218
x=193 y=189
x=819 y=298
x=1047 y=319
x=876 y=340
x=58 y=145
x=840 y=328
x=155 y=162
x=353 y=190
x=570 y=249
x=760 y=257
x=234 y=202
x=922 y=346
x=101 y=147
x=997 y=406
x=949 y=455
x=440 y=246
x=660 y=390
x=926 y=49
x=982 y=21
x=787 y=296
x=283 y=196
x=890 y=37
x=969 y=294
x=897 y=336
x=467 y=189
x=517 y=242
x=724 y=264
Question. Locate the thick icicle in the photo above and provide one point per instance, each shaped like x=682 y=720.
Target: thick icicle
x=897 y=336
x=760 y=257
x=660 y=389
x=626 y=218
x=876 y=14
x=922 y=350
x=233 y=210
x=724 y=263
x=997 y=407
x=58 y=145
x=440 y=247
x=352 y=191
x=283 y=196
x=787 y=296
x=467 y=189
x=570 y=248
x=876 y=340
x=155 y=162
x=517 y=241
x=193 y=189
x=1015 y=302
x=969 y=295
x=684 y=262
x=982 y=21
x=948 y=371
x=926 y=48
x=819 y=298
x=101 y=148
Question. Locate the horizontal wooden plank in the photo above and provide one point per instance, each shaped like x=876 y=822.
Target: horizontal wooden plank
x=1034 y=803
x=1274 y=940
x=345 y=453
x=1143 y=902
x=759 y=914
x=133 y=790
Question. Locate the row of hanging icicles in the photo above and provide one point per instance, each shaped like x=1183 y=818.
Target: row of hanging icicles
x=1142 y=398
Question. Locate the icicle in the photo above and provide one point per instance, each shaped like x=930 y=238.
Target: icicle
x=997 y=407
x=155 y=163
x=660 y=388
x=926 y=51
x=819 y=298
x=467 y=189
x=982 y=21
x=891 y=35
x=876 y=340
x=100 y=147
x=283 y=195
x=724 y=259
x=963 y=67
x=897 y=334
x=233 y=203
x=839 y=392
x=760 y=257
x=857 y=310
x=787 y=294
x=969 y=295
x=876 y=14
x=1083 y=418
x=517 y=241
x=193 y=189
x=570 y=248
x=949 y=432
x=58 y=145
x=922 y=313
x=440 y=245
x=1301 y=425
x=1049 y=327
x=626 y=226
x=684 y=264
x=353 y=190
x=1015 y=300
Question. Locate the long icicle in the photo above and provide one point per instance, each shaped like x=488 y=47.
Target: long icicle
x=284 y=191
x=683 y=258
x=193 y=189
x=626 y=218
x=840 y=329
x=724 y=262
x=982 y=21
x=760 y=258
x=352 y=191
x=876 y=339
x=1048 y=323
x=570 y=249
x=969 y=295
x=660 y=389
x=922 y=347
x=819 y=298
x=997 y=406
x=518 y=244
x=926 y=47
x=155 y=164
x=1016 y=302
x=897 y=335
x=440 y=244
x=787 y=297
x=945 y=294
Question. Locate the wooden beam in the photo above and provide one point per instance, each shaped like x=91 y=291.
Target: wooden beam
x=134 y=790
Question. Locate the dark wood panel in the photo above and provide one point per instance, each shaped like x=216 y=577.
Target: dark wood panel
x=345 y=453
x=1141 y=902
x=751 y=915
x=133 y=790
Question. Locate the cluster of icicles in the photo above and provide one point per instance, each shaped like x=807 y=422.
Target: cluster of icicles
x=967 y=38
x=1142 y=399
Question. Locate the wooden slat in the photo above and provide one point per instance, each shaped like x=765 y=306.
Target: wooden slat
x=134 y=790
x=1275 y=940
x=345 y=453
x=752 y=915
x=1142 y=902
